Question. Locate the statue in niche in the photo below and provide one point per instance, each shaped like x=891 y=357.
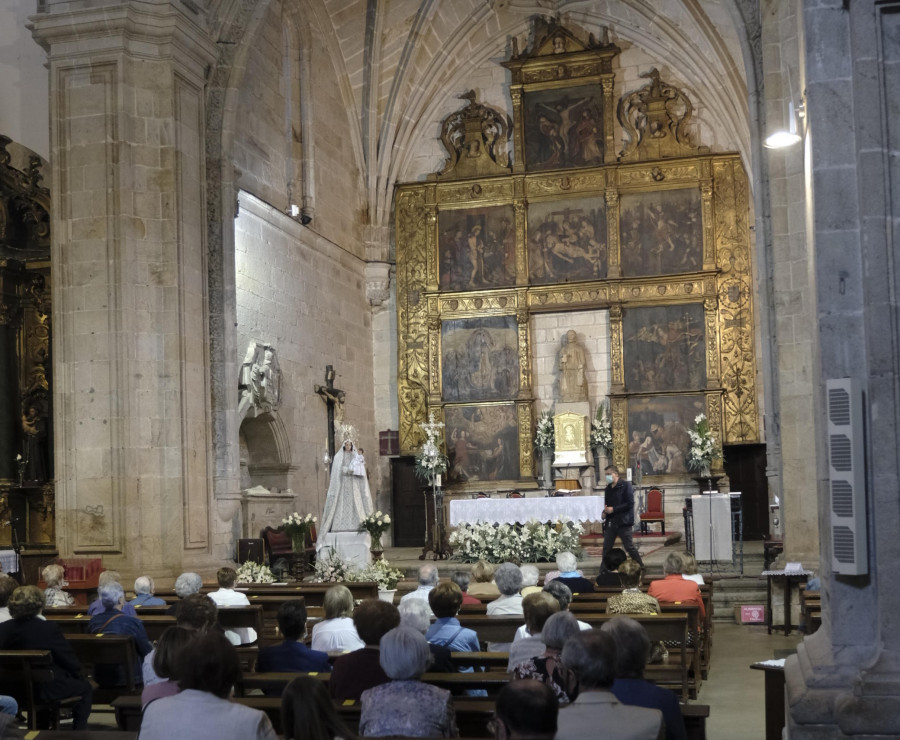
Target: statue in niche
x=261 y=377
x=34 y=425
x=572 y=381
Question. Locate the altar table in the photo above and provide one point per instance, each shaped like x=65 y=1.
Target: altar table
x=521 y=510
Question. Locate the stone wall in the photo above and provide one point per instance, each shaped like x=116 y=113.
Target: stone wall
x=306 y=297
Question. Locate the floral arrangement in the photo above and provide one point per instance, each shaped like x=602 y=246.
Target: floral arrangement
x=703 y=445
x=430 y=461
x=601 y=429
x=376 y=525
x=251 y=572
x=381 y=571
x=531 y=542
x=332 y=569
x=298 y=526
x=545 y=434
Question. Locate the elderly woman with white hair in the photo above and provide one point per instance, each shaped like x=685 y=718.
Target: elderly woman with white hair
x=54 y=577
x=108 y=576
x=548 y=667
x=406 y=706
x=111 y=621
x=570 y=575
x=530 y=577
x=337 y=631
x=143 y=589
x=416 y=614
x=508 y=578
x=186 y=584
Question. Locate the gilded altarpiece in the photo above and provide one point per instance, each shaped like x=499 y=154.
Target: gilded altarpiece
x=657 y=234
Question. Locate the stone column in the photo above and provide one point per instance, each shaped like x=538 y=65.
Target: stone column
x=130 y=353
x=845 y=679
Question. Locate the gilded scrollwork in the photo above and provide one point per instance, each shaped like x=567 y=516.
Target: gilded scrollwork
x=710 y=306
x=526 y=441
x=474 y=192
x=617 y=380
x=568 y=184
x=619 y=421
x=656 y=119
x=475 y=139
x=461 y=305
x=628 y=177
x=586 y=294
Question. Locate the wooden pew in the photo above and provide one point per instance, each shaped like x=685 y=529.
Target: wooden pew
x=313 y=593
x=21 y=674
x=108 y=650
x=472 y=715
x=490 y=681
x=666 y=627
x=77 y=625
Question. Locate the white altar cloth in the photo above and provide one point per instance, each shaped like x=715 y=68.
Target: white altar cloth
x=521 y=510
x=712 y=511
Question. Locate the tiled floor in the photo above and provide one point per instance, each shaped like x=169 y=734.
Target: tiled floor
x=733 y=692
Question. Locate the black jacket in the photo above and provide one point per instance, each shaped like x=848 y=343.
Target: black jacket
x=621 y=497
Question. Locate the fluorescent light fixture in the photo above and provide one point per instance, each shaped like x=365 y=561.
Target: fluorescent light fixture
x=781 y=138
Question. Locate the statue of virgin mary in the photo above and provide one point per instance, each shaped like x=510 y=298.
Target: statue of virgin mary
x=349 y=499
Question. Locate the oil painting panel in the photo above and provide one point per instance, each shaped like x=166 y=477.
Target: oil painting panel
x=482 y=443
x=661 y=233
x=658 y=440
x=664 y=348
x=480 y=359
x=567 y=240
x=564 y=128
x=477 y=248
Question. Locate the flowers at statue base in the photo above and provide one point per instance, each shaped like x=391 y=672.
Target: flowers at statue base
x=251 y=572
x=703 y=445
x=298 y=526
x=545 y=434
x=383 y=573
x=376 y=525
x=601 y=429
x=332 y=569
x=531 y=542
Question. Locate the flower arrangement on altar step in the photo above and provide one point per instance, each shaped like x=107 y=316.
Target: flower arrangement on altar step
x=386 y=576
x=703 y=446
x=601 y=429
x=251 y=572
x=298 y=527
x=531 y=542
x=545 y=434
x=332 y=569
x=430 y=461
x=376 y=525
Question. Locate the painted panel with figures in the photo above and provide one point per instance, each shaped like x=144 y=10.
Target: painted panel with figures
x=479 y=358
x=482 y=442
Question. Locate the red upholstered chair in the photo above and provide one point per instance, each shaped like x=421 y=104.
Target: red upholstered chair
x=655 y=510
x=481 y=494
x=514 y=494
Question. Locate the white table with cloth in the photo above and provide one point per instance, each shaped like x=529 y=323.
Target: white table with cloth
x=521 y=510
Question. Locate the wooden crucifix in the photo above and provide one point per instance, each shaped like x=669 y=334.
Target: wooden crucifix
x=334 y=400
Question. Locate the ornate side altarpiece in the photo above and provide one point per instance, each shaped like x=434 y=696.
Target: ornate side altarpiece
x=656 y=233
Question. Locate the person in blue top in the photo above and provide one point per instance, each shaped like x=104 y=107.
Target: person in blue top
x=112 y=621
x=445 y=600
x=292 y=655
x=106 y=577
x=143 y=589
x=630 y=687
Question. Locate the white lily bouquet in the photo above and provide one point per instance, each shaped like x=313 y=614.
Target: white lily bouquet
x=383 y=573
x=703 y=445
x=298 y=526
x=332 y=569
x=545 y=434
x=601 y=429
x=431 y=462
x=251 y=572
x=376 y=525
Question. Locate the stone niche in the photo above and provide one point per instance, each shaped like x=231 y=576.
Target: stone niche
x=262 y=508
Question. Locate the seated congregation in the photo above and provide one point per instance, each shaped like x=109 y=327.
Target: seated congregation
x=553 y=663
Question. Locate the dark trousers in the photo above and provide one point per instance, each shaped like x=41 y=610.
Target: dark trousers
x=623 y=533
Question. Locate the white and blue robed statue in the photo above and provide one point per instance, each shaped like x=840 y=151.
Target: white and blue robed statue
x=348 y=501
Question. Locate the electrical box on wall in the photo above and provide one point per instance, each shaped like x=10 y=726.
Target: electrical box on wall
x=847 y=477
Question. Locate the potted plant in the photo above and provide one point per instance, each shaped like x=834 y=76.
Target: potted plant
x=386 y=576
x=297 y=527
x=703 y=446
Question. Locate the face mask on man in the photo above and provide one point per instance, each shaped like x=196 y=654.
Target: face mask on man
x=609 y=478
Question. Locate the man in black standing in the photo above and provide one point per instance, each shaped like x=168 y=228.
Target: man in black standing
x=619 y=510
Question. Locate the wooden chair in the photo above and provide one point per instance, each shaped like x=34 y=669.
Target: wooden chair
x=655 y=510
x=481 y=494
x=21 y=674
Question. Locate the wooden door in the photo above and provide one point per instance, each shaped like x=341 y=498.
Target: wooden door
x=407 y=503
x=746 y=469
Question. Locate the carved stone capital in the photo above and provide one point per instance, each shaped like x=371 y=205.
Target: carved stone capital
x=378 y=282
